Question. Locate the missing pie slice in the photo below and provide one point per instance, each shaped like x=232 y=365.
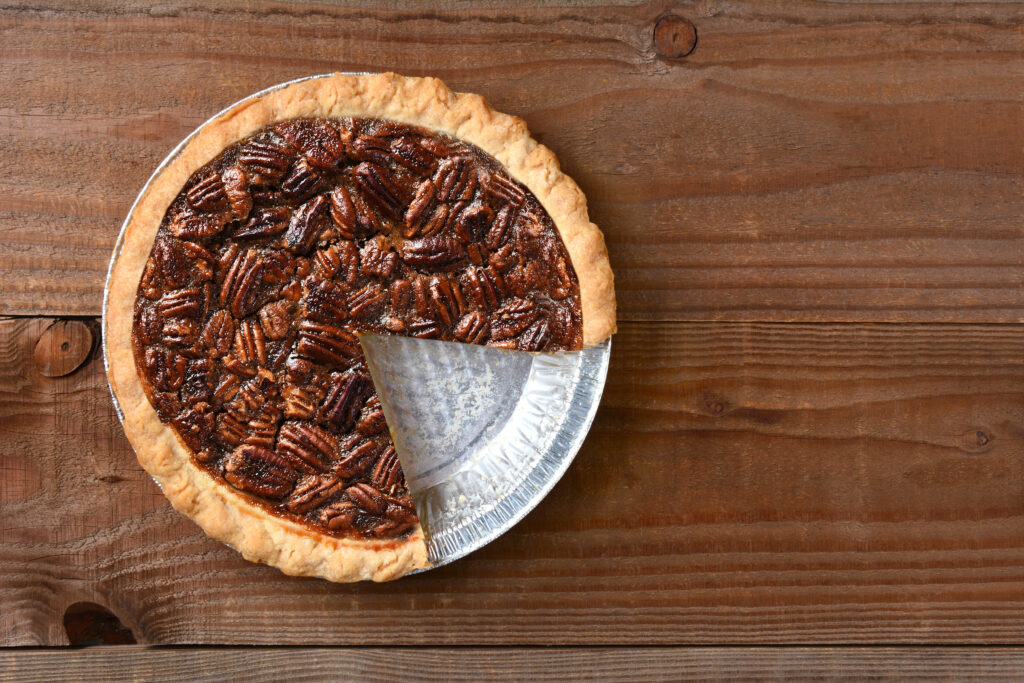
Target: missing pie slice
x=285 y=226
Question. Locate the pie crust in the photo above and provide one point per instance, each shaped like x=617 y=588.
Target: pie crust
x=220 y=510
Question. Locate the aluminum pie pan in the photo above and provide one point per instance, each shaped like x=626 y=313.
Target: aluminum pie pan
x=559 y=426
x=553 y=415
x=483 y=433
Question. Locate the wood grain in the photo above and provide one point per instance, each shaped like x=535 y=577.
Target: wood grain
x=809 y=161
x=768 y=483
x=515 y=664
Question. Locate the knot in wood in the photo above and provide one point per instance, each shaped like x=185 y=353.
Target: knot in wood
x=62 y=348
x=977 y=440
x=674 y=36
x=714 y=404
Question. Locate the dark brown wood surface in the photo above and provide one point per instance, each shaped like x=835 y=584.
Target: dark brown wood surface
x=813 y=430
x=743 y=483
x=808 y=161
x=140 y=663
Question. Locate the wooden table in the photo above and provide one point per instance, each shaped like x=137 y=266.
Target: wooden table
x=813 y=429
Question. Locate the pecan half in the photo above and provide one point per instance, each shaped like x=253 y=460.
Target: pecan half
x=499 y=228
x=372 y=422
x=250 y=345
x=447 y=301
x=307 y=447
x=433 y=252
x=299 y=404
x=372 y=148
x=410 y=153
x=189 y=225
x=263 y=428
x=473 y=328
x=167 y=404
x=345 y=400
x=343 y=212
x=366 y=498
x=260 y=471
x=326 y=343
x=195 y=426
x=319 y=141
x=225 y=261
x=357 y=460
x=241 y=288
x=230 y=431
x=226 y=389
x=306 y=225
x=424 y=329
x=432 y=223
x=266 y=161
x=377 y=262
x=264 y=222
x=275 y=319
x=236 y=189
x=536 y=337
x=524 y=279
x=503 y=191
x=252 y=397
x=455 y=180
x=200 y=377
x=182 y=303
x=380 y=186
x=422 y=296
x=326 y=301
x=401 y=294
x=504 y=258
x=485 y=287
x=388 y=475
x=340 y=516
x=207 y=194
x=398 y=514
x=512 y=318
x=393 y=323
x=313 y=492
x=302 y=182
x=566 y=279
x=419 y=209
x=239 y=410
x=237 y=367
x=180 y=332
x=348 y=260
x=477 y=254
x=473 y=223
x=148 y=324
x=368 y=302
x=150 y=285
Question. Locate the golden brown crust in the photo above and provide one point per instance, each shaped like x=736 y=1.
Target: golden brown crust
x=222 y=512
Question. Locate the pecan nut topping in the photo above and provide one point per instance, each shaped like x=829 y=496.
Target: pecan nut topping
x=260 y=471
x=280 y=250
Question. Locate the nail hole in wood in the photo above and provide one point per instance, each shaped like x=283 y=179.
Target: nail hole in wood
x=87 y=623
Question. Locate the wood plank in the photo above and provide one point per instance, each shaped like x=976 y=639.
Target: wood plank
x=515 y=664
x=768 y=483
x=809 y=161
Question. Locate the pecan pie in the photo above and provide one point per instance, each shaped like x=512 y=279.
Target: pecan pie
x=282 y=229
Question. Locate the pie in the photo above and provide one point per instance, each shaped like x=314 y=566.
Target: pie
x=283 y=228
